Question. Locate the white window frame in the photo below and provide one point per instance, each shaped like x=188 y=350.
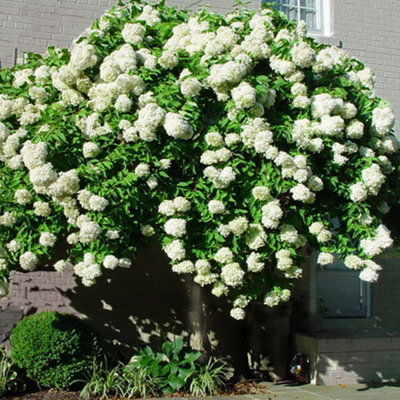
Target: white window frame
x=365 y=291
x=324 y=15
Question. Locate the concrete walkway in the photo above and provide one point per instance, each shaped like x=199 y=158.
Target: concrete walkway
x=312 y=392
x=337 y=392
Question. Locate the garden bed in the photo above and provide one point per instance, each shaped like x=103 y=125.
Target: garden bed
x=240 y=388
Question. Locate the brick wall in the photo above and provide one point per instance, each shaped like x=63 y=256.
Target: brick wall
x=31 y=25
x=370 y=31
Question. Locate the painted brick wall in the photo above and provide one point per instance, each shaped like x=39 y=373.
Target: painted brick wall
x=31 y=25
x=370 y=31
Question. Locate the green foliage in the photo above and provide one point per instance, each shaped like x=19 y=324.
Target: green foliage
x=100 y=381
x=170 y=369
x=54 y=349
x=11 y=381
x=139 y=382
x=209 y=379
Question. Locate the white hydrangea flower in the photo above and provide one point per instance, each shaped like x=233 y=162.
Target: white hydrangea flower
x=358 y=192
x=219 y=289
x=175 y=250
x=152 y=182
x=110 y=262
x=382 y=120
x=89 y=231
x=28 y=261
x=232 y=139
x=72 y=238
x=302 y=193
x=7 y=219
x=97 y=203
x=112 y=234
x=232 y=275
x=288 y=233
x=184 y=267
x=90 y=150
x=272 y=214
x=325 y=258
x=190 y=87
x=124 y=262
x=123 y=103
x=224 y=230
x=244 y=95
x=147 y=230
x=254 y=263
x=168 y=59
x=353 y=262
x=239 y=225
x=261 y=193
x=142 y=170
x=47 y=239
x=237 y=313
x=224 y=255
x=370 y=273
x=373 y=178
x=83 y=56
x=303 y=55
x=216 y=207
x=214 y=139
x=165 y=163
x=316 y=227
x=13 y=246
x=22 y=196
x=62 y=265
x=175 y=227
x=167 y=207
x=176 y=126
x=181 y=204
x=133 y=33
x=149 y=15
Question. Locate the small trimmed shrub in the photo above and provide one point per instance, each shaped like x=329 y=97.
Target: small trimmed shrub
x=54 y=348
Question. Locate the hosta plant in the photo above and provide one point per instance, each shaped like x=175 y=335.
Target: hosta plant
x=236 y=140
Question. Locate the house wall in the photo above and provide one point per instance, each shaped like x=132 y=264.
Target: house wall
x=370 y=31
x=30 y=25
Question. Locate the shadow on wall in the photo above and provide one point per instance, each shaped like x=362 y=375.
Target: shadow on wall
x=147 y=303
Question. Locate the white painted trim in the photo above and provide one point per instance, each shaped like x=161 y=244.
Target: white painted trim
x=324 y=17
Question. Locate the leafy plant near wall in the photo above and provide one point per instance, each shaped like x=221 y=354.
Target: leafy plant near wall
x=11 y=380
x=169 y=369
x=236 y=140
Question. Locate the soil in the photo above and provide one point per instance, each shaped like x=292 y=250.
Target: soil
x=242 y=387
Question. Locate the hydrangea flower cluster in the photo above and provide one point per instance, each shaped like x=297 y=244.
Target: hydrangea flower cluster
x=236 y=140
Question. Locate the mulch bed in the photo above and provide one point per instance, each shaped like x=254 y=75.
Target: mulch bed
x=242 y=387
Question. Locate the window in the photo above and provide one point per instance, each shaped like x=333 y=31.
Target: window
x=339 y=292
x=316 y=13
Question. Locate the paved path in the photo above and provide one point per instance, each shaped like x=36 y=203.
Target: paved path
x=338 y=392
x=312 y=392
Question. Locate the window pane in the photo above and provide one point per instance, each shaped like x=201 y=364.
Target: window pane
x=310 y=17
x=308 y=3
x=288 y=2
x=341 y=294
x=291 y=12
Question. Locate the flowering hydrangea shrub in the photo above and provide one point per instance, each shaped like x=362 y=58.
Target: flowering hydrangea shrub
x=235 y=140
